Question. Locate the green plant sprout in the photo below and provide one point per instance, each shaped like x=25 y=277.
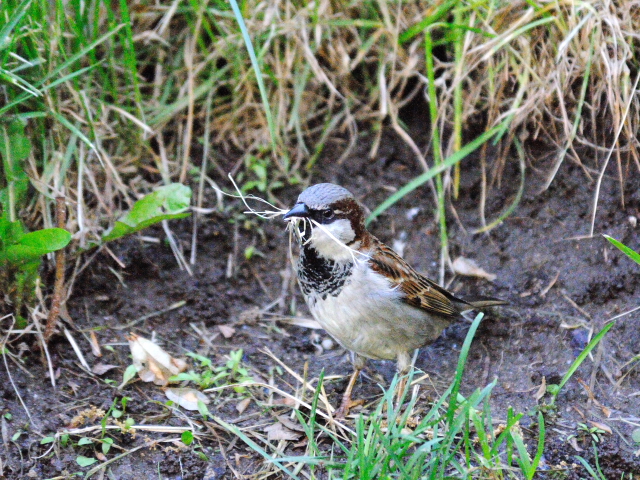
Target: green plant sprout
x=208 y=375
x=20 y=251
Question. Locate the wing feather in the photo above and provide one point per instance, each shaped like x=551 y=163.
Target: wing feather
x=418 y=290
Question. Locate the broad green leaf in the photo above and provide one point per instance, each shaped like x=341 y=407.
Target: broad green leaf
x=187 y=437
x=129 y=373
x=166 y=203
x=32 y=246
x=106 y=444
x=46 y=440
x=85 y=441
x=85 y=461
x=633 y=255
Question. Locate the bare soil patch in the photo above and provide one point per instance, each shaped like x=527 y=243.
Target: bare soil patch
x=560 y=285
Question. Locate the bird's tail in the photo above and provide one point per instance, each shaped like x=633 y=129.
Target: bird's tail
x=481 y=302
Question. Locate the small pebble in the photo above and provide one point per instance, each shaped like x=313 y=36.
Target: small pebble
x=633 y=221
x=413 y=213
x=327 y=344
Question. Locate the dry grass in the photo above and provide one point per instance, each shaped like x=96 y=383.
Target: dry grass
x=562 y=72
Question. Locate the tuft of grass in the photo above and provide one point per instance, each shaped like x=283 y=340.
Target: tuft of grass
x=454 y=437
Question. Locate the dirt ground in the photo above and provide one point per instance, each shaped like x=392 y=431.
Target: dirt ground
x=561 y=286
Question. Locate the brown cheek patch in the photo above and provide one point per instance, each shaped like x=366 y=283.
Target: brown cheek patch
x=352 y=211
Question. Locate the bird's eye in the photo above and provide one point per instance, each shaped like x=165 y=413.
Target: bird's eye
x=327 y=213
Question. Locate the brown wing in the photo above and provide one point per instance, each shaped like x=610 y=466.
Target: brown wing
x=419 y=291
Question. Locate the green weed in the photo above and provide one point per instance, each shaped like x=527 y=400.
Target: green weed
x=20 y=251
x=455 y=437
x=209 y=375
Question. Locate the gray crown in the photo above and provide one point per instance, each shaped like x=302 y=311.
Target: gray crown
x=322 y=195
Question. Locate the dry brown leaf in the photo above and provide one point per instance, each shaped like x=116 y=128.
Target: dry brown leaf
x=152 y=362
x=468 y=267
x=226 y=331
x=102 y=368
x=95 y=345
x=541 y=390
x=242 y=405
x=289 y=402
x=289 y=423
x=186 y=397
x=574 y=443
x=277 y=431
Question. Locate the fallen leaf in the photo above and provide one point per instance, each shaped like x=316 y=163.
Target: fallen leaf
x=574 y=443
x=290 y=424
x=468 y=267
x=277 y=431
x=242 y=405
x=102 y=368
x=289 y=402
x=95 y=345
x=152 y=362
x=186 y=397
x=226 y=331
x=541 y=390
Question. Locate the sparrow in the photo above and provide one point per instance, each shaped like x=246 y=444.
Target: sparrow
x=359 y=290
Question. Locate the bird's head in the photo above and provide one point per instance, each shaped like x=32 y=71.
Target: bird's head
x=329 y=219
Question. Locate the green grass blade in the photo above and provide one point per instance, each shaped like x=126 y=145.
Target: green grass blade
x=429 y=20
x=462 y=360
x=590 y=469
x=257 y=448
x=259 y=80
x=516 y=201
x=80 y=54
x=436 y=149
x=541 y=437
x=578 y=361
x=75 y=130
x=426 y=176
x=633 y=255
x=5 y=31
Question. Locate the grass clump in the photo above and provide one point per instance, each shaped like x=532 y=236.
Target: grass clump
x=454 y=437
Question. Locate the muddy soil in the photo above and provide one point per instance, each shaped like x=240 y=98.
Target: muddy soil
x=562 y=286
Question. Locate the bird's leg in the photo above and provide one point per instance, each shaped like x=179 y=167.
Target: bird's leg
x=404 y=366
x=346 y=403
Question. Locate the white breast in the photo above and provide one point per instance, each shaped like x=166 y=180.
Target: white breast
x=368 y=317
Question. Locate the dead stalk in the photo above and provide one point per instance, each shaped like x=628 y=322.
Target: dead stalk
x=58 y=289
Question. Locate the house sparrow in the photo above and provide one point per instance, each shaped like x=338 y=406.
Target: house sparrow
x=361 y=291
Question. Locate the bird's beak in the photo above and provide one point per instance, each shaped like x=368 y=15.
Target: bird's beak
x=299 y=210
